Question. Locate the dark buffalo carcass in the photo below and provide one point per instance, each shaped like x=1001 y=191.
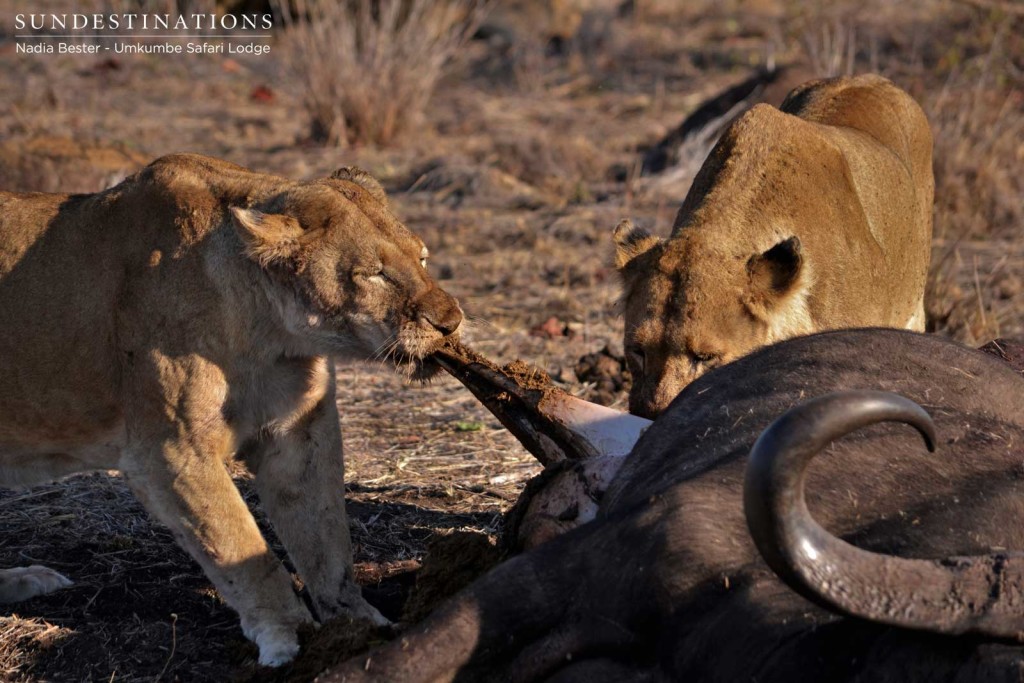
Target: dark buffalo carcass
x=666 y=583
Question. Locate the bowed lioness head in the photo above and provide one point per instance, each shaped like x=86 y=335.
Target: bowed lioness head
x=811 y=217
x=691 y=305
x=346 y=274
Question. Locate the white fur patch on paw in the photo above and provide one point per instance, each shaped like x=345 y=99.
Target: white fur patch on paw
x=376 y=617
x=22 y=583
x=277 y=646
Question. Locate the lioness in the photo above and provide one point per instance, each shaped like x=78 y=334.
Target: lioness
x=190 y=314
x=812 y=217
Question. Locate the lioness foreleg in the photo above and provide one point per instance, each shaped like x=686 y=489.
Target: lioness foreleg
x=300 y=477
x=175 y=464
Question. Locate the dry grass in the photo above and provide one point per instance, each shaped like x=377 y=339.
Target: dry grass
x=367 y=68
x=978 y=133
x=831 y=48
x=23 y=637
x=979 y=193
x=61 y=164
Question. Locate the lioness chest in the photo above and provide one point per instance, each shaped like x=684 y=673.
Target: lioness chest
x=278 y=395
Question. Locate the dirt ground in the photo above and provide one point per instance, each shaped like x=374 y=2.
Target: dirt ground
x=528 y=156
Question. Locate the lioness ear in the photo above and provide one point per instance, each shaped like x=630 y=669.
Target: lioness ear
x=267 y=237
x=364 y=180
x=630 y=242
x=776 y=272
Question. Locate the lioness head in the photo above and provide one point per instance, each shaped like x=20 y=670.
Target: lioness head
x=692 y=304
x=345 y=274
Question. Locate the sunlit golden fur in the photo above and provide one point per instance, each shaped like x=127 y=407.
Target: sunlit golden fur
x=812 y=217
x=189 y=315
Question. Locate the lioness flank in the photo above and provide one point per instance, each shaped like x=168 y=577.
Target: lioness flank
x=813 y=217
x=189 y=315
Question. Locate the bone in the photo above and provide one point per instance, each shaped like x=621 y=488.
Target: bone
x=550 y=423
x=610 y=433
x=582 y=445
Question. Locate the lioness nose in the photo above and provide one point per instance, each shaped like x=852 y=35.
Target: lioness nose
x=445 y=322
x=442 y=312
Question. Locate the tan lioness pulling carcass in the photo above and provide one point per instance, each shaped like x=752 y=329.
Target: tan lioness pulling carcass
x=187 y=315
x=813 y=217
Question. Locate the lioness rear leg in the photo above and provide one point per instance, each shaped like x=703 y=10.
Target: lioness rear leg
x=175 y=464
x=300 y=477
x=22 y=583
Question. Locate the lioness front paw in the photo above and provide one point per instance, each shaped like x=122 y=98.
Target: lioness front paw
x=352 y=604
x=278 y=645
x=374 y=616
x=22 y=583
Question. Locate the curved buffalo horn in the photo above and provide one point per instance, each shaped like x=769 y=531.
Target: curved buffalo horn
x=982 y=595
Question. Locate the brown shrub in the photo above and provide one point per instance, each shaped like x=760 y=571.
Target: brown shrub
x=62 y=164
x=367 y=68
x=558 y=161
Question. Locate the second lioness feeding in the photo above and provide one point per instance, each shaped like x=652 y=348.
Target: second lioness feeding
x=817 y=216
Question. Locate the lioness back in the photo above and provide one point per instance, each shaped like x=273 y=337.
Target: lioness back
x=813 y=217
x=54 y=266
x=64 y=264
